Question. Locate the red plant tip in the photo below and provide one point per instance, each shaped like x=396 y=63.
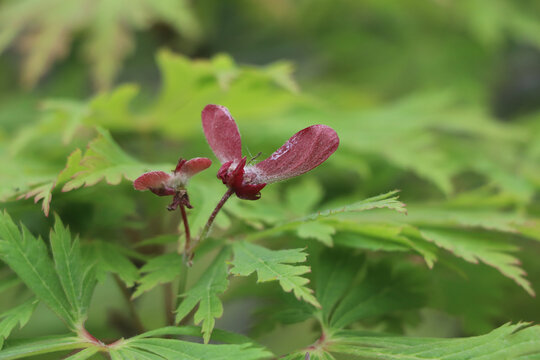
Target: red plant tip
x=304 y=151
x=164 y=184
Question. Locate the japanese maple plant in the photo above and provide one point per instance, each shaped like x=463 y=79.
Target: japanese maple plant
x=348 y=300
x=304 y=151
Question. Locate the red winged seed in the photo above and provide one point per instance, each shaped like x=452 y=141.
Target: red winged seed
x=304 y=151
x=181 y=163
x=154 y=181
x=163 y=184
x=195 y=166
x=222 y=133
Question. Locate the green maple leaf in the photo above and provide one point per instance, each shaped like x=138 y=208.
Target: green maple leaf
x=76 y=274
x=273 y=265
x=44 y=192
x=474 y=246
x=205 y=293
x=65 y=284
x=18 y=315
x=46 y=29
x=112 y=258
x=518 y=341
x=159 y=270
x=104 y=160
x=28 y=257
x=39 y=346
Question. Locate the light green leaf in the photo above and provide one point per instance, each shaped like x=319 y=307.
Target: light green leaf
x=317 y=230
x=112 y=258
x=104 y=160
x=84 y=354
x=466 y=217
x=43 y=192
x=205 y=293
x=159 y=270
x=217 y=334
x=23 y=174
x=507 y=342
x=474 y=246
x=472 y=233
x=388 y=200
x=60 y=120
x=206 y=77
x=385 y=237
x=75 y=273
x=302 y=197
x=127 y=353
x=19 y=315
x=274 y=265
x=28 y=258
x=108 y=29
x=42 y=346
x=177 y=349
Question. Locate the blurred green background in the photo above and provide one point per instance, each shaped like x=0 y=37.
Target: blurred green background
x=438 y=98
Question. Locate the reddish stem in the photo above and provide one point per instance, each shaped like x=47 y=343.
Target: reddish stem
x=186 y=229
x=206 y=229
x=212 y=217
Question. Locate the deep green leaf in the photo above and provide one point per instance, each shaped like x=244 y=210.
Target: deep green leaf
x=8 y=282
x=205 y=293
x=385 y=289
x=29 y=258
x=334 y=275
x=75 y=273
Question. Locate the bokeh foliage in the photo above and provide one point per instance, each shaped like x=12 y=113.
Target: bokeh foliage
x=438 y=99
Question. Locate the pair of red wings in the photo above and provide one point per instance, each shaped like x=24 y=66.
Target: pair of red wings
x=304 y=151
